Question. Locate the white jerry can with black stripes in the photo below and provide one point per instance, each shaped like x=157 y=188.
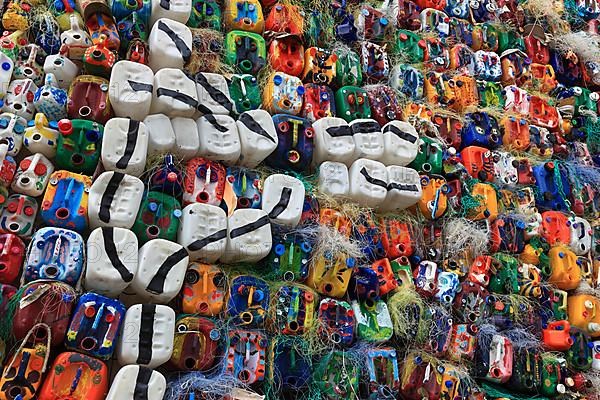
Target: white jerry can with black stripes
x=213 y=94
x=114 y=200
x=333 y=141
x=203 y=231
x=161 y=270
x=147 y=336
x=124 y=146
x=401 y=143
x=334 y=179
x=368 y=182
x=161 y=136
x=368 y=139
x=176 y=10
x=258 y=137
x=187 y=142
x=112 y=260
x=170 y=45
x=403 y=189
x=174 y=94
x=130 y=89
x=248 y=236
x=219 y=138
x=134 y=382
x=283 y=199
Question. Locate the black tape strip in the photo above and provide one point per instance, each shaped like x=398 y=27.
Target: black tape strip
x=203 y=109
x=214 y=93
x=185 y=51
x=141 y=383
x=405 y=187
x=366 y=127
x=371 y=180
x=109 y=195
x=113 y=255
x=338 y=131
x=166 y=4
x=254 y=126
x=282 y=204
x=140 y=87
x=400 y=133
x=157 y=283
x=146 y=334
x=182 y=97
x=213 y=121
x=200 y=244
x=132 y=136
x=242 y=230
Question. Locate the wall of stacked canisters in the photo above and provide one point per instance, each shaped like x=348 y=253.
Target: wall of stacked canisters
x=299 y=199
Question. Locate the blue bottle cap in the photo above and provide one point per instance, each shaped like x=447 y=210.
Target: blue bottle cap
x=306 y=247
x=279 y=249
x=92 y=136
x=214 y=334
x=258 y=295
